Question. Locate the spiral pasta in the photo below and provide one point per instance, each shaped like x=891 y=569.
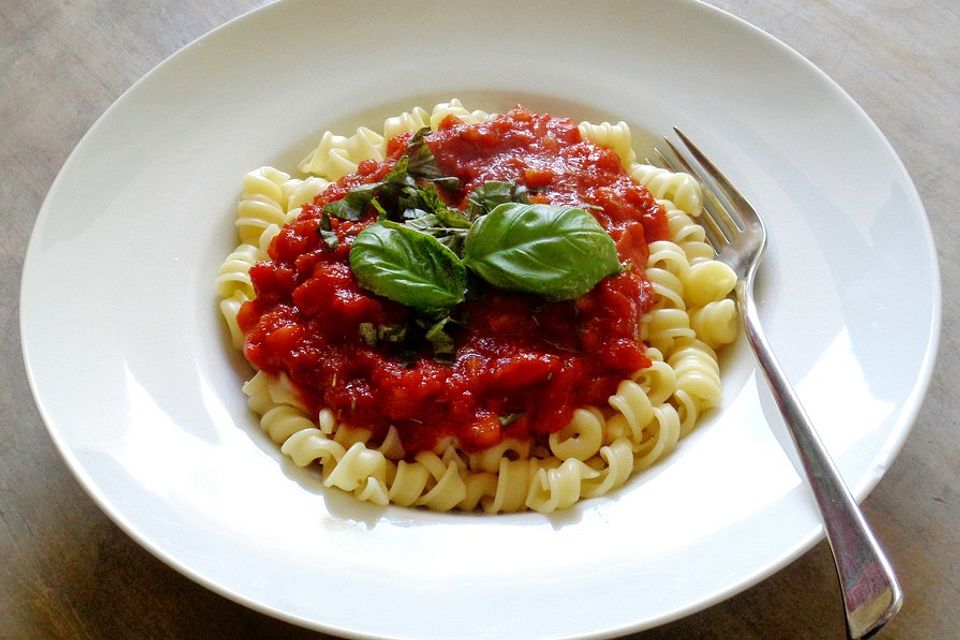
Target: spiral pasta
x=601 y=447
x=455 y=108
x=299 y=192
x=698 y=379
x=687 y=234
x=613 y=136
x=581 y=439
x=679 y=188
x=261 y=203
x=408 y=121
x=336 y=156
x=234 y=274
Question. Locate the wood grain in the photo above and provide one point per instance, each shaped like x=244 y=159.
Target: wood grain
x=67 y=572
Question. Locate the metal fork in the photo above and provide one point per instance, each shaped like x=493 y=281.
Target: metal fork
x=871 y=593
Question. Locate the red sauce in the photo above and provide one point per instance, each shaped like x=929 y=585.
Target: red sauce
x=516 y=352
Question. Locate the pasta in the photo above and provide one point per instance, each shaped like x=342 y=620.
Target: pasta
x=601 y=446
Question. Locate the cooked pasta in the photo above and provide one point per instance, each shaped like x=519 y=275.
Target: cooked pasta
x=336 y=156
x=455 y=108
x=600 y=448
x=261 y=204
x=406 y=122
x=614 y=136
x=681 y=189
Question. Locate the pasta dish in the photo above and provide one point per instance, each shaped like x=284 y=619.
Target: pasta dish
x=476 y=311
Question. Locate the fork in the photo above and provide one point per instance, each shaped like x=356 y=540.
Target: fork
x=871 y=593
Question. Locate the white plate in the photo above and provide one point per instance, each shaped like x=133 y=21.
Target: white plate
x=131 y=371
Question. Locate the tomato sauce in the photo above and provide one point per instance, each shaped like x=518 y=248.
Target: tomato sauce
x=516 y=354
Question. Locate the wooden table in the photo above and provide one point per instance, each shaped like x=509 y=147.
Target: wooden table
x=66 y=571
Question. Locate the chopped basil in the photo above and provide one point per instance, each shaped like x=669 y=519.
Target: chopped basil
x=435 y=205
x=416 y=214
x=558 y=253
x=422 y=221
x=509 y=418
x=407 y=266
x=326 y=234
x=492 y=194
x=374 y=334
x=345 y=209
x=394 y=333
x=440 y=340
x=454 y=242
x=408 y=199
x=381 y=212
x=368 y=333
x=450 y=183
x=398 y=174
x=380 y=194
x=421 y=161
x=353 y=205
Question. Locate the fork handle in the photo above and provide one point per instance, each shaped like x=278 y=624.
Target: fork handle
x=871 y=593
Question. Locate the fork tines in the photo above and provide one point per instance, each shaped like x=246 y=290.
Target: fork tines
x=721 y=200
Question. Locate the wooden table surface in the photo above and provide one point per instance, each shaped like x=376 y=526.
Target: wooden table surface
x=66 y=571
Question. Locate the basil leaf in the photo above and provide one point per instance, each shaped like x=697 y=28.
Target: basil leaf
x=407 y=266
x=394 y=333
x=494 y=193
x=558 y=253
x=408 y=198
x=453 y=242
x=394 y=186
x=381 y=212
x=450 y=183
x=367 y=333
x=372 y=334
x=409 y=215
x=398 y=173
x=344 y=210
x=421 y=220
x=450 y=237
x=509 y=418
x=353 y=205
x=420 y=159
x=326 y=234
x=439 y=339
x=434 y=203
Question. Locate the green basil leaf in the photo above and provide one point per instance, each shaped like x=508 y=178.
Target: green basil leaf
x=368 y=333
x=408 y=198
x=373 y=334
x=398 y=173
x=353 y=205
x=450 y=237
x=381 y=212
x=493 y=193
x=343 y=209
x=434 y=203
x=421 y=220
x=394 y=333
x=407 y=266
x=450 y=183
x=439 y=339
x=558 y=253
x=421 y=161
x=454 y=242
x=326 y=234
x=509 y=418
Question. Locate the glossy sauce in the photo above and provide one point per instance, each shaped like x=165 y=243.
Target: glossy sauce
x=516 y=355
